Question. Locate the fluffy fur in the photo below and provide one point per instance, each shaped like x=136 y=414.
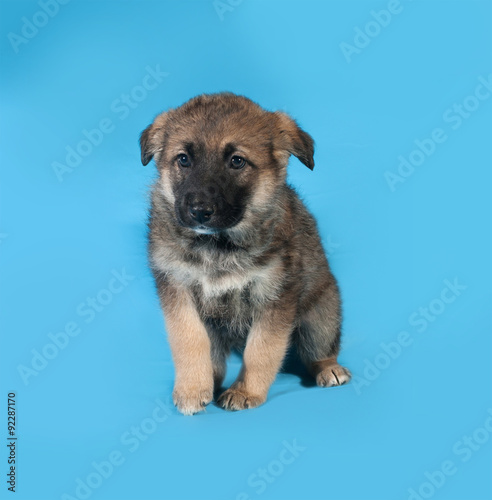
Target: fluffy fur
x=255 y=276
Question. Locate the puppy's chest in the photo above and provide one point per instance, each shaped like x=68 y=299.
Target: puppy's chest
x=232 y=306
x=234 y=296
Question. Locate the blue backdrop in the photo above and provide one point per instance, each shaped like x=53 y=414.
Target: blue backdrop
x=397 y=95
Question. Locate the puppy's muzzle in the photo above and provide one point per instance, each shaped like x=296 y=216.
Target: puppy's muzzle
x=201 y=211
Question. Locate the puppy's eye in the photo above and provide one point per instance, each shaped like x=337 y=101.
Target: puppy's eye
x=184 y=160
x=237 y=162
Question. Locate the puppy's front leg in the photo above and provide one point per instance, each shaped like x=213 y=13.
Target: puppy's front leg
x=265 y=350
x=190 y=347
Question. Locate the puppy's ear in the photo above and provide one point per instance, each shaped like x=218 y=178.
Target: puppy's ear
x=294 y=140
x=146 y=148
x=151 y=139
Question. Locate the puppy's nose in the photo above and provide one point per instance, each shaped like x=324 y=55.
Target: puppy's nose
x=201 y=212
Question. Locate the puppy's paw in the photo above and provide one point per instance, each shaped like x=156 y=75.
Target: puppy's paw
x=191 y=400
x=333 y=375
x=239 y=399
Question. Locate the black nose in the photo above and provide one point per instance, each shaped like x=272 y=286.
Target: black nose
x=201 y=212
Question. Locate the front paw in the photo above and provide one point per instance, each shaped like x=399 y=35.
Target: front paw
x=191 y=400
x=239 y=399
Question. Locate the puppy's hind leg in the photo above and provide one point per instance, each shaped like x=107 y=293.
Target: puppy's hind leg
x=318 y=340
x=329 y=373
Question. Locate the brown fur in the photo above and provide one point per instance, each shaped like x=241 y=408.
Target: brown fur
x=258 y=279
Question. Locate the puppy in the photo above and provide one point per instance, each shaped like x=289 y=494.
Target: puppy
x=236 y=256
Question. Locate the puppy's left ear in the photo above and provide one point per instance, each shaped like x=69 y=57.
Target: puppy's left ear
x=294 y=140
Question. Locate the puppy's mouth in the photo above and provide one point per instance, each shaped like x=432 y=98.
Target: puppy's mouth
x=204 y=230
x=219 y=225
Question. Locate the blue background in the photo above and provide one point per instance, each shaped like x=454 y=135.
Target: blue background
x=390 y=250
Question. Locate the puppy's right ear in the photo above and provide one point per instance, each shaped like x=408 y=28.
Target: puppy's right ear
x=151 y=139
x=146 y=147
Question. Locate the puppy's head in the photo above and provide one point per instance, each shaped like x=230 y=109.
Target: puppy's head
x=220 y=156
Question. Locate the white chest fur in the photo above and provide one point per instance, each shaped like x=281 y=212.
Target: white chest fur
x=217 y=279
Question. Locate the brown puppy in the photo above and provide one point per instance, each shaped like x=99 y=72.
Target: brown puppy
x=236 y=256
